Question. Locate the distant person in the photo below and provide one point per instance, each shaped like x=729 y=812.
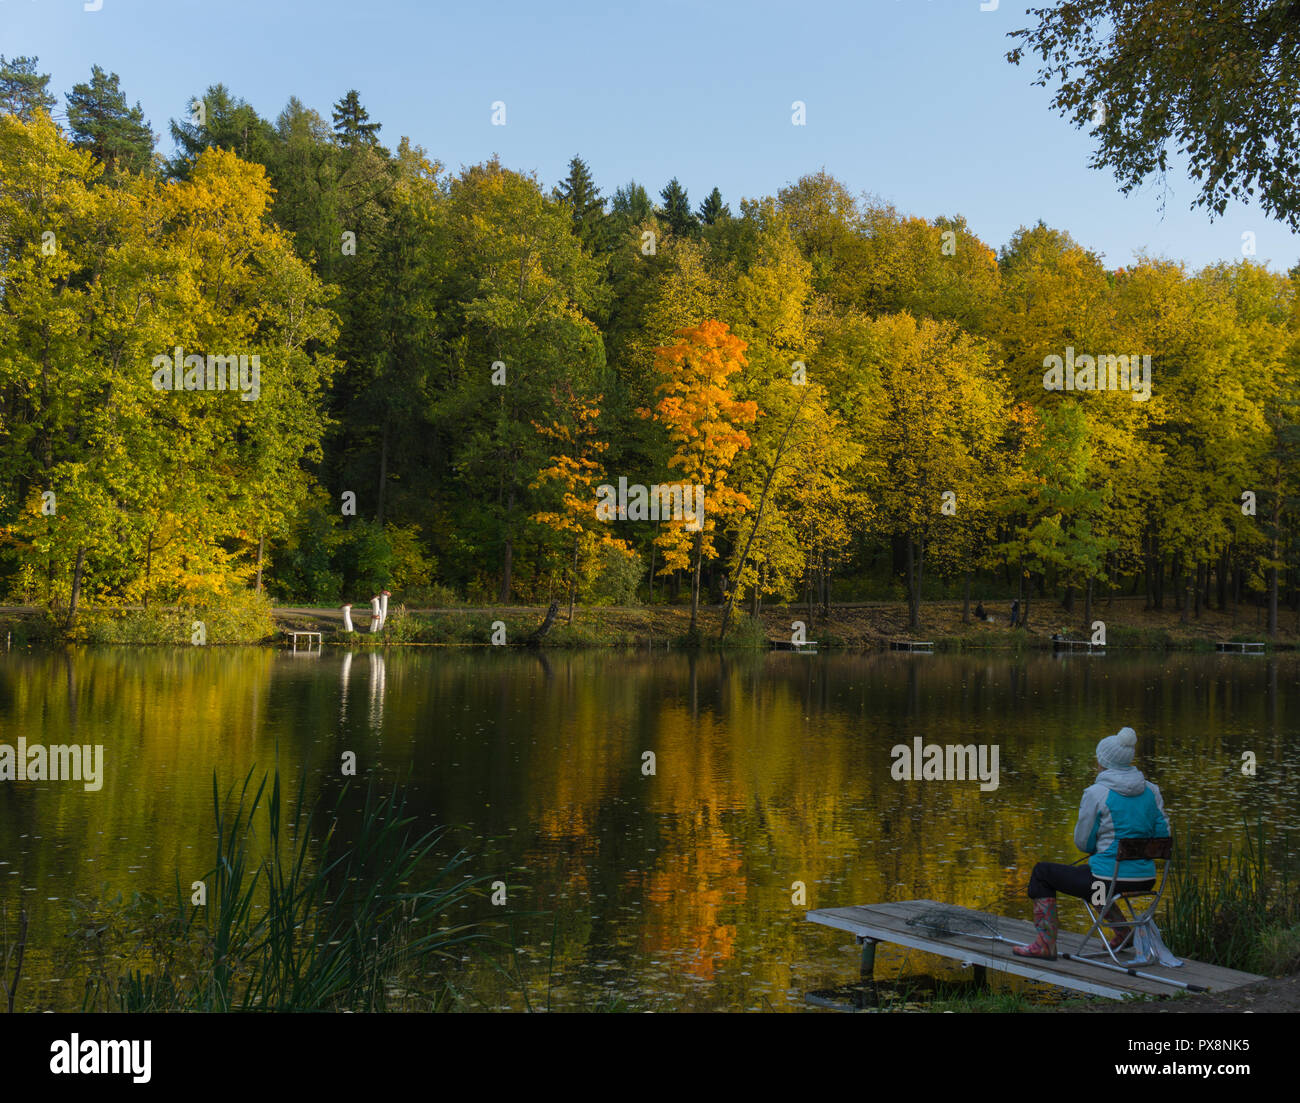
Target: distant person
x=1122 y=804
x=1015 y=612
x=979 y=611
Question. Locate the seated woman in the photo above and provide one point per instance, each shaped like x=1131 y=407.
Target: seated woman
x=1121 y=805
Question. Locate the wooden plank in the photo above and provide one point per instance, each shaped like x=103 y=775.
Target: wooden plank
x=888 y=923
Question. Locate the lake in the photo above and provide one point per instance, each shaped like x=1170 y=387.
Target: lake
x=673 y=889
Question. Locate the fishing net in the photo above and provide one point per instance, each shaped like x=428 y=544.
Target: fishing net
x=947 y=921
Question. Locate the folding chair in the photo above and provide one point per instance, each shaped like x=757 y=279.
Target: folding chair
x=1129 y=850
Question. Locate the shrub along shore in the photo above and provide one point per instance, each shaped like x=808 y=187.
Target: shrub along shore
x=948 y=625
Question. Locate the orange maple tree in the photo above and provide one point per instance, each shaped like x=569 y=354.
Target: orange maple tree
x=704 y=420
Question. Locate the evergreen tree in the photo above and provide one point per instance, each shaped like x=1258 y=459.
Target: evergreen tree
x=221 y=121
x=351 y=122
x=632 y=203
x=580 y=193
x=676 y=210
x=101 y=122
x=23 y=91
x=713 y=208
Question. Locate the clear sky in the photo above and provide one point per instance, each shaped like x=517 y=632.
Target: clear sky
x=912 y=101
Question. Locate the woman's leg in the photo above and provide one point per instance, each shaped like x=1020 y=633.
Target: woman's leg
x=1048 y=879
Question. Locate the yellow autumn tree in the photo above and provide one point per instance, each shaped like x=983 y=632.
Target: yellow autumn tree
x=703 y=419
x=573 y=472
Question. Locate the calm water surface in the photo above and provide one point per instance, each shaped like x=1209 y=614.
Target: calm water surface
x=672 y=890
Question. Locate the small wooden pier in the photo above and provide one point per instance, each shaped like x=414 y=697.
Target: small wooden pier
x=925 y=647
x=1240 y=648
x=1079 y=645
x=799 y=647
x=308 y=635
x=874 y=923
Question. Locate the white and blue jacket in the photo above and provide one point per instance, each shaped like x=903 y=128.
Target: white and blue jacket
x=1121 y=805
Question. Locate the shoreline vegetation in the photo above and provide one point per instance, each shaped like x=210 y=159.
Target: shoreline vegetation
x=850 y=626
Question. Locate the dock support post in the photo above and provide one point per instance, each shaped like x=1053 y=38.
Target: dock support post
x=979 y=974
x=867 y=968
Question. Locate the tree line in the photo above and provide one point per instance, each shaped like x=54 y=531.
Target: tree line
x=453 y=364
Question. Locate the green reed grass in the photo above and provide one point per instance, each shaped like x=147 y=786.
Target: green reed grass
x=1236 y=910
x=358 y=928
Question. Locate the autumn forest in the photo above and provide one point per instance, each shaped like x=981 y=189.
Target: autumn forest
x=451 y=364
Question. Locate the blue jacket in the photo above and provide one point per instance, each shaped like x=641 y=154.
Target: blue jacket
x=1121 y=805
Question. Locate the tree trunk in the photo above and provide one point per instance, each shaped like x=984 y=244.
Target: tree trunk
x=148 y=566
x=1087 y=610
x=383 y=474
x=1272 y=572
x=76 y=586
x=909 y=567
x=758 y=518
x=573 y=581
x=261 y=545
x=508 y=556
x=695 y=582
x=541 y=630
x=965 y=604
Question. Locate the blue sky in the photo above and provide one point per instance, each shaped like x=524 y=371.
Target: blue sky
x=909 y=100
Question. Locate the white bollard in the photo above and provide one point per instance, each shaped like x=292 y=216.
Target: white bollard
x=347 y=619
x=383 y=608
x=374 y=614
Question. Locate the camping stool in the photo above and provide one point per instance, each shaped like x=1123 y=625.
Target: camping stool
x=1129 y=850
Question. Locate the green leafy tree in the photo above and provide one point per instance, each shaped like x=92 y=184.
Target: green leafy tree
x=1215 y=82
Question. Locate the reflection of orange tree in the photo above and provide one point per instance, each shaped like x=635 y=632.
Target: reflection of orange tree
x=691 y=900
x=685 y=904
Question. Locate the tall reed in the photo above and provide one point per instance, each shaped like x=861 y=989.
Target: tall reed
x=357 y=928
x=1236 y=911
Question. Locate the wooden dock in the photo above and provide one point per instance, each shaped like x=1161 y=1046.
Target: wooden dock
x=924 y=647
x=872 y=923
x=799 y=647
x=1240 y=648
x=309 y=636
x=1079 y=645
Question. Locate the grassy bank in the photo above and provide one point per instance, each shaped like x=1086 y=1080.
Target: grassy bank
x=249 y=619
x=858 y=626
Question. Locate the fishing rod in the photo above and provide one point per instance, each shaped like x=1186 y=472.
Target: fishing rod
x=1133 y=972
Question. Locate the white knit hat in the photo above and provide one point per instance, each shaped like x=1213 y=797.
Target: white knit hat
x=1115 y=752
